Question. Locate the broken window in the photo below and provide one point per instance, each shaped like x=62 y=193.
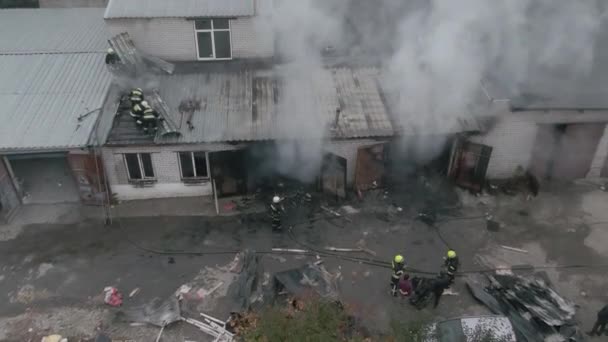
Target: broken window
x=193 y=165
x=213 y=39
x=139 y=166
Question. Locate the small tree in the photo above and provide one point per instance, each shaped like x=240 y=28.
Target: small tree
x=314 y=321
x=410 y=331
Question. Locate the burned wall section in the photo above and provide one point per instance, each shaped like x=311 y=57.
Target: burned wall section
x=9 y=201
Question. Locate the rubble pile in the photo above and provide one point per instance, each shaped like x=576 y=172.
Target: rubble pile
x=537 y=312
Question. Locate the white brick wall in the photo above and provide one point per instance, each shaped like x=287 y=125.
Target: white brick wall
x=251 y=38
x=512 y=139
x=173 y=39
x=168 y=38
x=166 y=169
x=514 y=136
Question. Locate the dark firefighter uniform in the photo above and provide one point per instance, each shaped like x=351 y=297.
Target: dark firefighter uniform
x=137 y=111
x=150 y=120
x=275 y=213
x=112 y=57
x=398 y=266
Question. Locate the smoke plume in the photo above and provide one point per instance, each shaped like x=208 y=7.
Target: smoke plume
x=302 y=29
x=434 y=54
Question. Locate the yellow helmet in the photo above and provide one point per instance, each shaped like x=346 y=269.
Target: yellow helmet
x=451 y=254
x=398 y=259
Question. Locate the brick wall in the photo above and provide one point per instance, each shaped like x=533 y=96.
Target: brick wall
x=166 y=170
x=514 y=136
x=173 y=39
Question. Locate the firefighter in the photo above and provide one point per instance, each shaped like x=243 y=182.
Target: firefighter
x=398 y=266
x=309 y=208
x=112 y=57
x=136 y=96
x=439 y=285
x=150 y=121
x=275 y=213
x=451 y=264
x=137 y=110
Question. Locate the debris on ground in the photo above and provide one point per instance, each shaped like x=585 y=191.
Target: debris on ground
x=290 y=250
x=212 y=326
x=112 y=297
x=54 y=338
x=134 y=292
x=537 y=312
x=221 y=290
x=158 y=312
x=349 y=209
x=513 y=249
x=521 y=182
x=307 y=279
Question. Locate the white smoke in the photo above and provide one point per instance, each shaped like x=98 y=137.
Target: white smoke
x=434 y=54
x=446 y=49
x=302 y=30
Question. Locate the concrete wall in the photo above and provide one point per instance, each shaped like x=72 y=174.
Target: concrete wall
x=514 y=135
x=8 y=196
x=166 y=169
x=173 y=39
x=72 y=3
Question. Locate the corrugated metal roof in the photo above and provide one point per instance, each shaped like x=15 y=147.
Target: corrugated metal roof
x=24 y=31
x=243 y=105
x=44 y=95
x=178 y=8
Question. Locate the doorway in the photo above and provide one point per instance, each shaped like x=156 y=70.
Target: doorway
x=44 y=178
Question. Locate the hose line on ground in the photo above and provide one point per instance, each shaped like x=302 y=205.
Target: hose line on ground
x=368 y=261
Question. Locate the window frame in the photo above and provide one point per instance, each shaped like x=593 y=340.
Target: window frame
x=211 y=31
x=196 y=178
x=140 y=163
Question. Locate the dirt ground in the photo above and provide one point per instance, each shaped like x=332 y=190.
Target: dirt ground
x=53 y=274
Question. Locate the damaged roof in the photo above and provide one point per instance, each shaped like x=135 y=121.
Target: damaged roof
x=52 y=30
x=178 y=8
x=246 y=105
x=54 y=79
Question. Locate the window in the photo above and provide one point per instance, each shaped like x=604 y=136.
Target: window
x=213 y=39
x=139 y=166
x=193 y=165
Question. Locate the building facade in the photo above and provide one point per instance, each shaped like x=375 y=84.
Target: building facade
x=54 y=89
x=552 y=144
x=211 y=31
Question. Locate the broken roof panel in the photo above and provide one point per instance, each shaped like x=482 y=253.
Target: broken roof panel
x=178 y=8
x=244 y=105
x=24 y=31
x=50 y=101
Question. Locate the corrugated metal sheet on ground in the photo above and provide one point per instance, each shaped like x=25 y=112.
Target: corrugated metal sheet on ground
x=25 y=31
x=245 y=105
x=178 y=8
x=43 y=96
